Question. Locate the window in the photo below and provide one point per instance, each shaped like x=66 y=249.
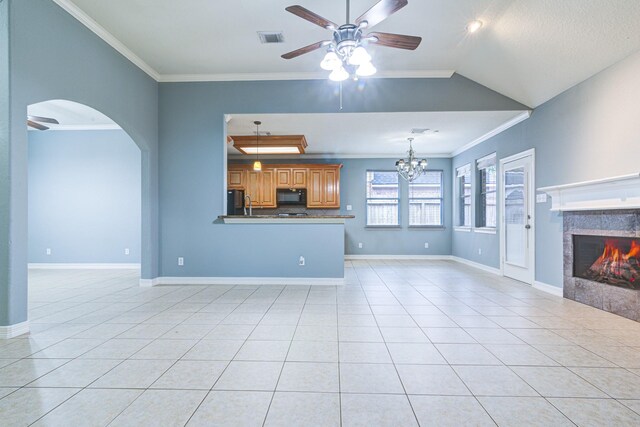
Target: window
x=463 y=192
x=487 y=180
x=382 y=198
x=425 y=200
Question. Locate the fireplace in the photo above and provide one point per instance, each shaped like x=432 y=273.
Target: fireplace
x=610 y=260
x=602 y=260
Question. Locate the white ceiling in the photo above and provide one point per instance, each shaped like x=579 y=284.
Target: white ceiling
x=529 y=50
x=71 y=115
x=377 y=134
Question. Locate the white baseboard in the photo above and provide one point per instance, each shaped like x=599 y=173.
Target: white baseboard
x=82 y=266
x=550 y=289
x=13 y=331
x=398 y=257
x=477 y=265
x=304 y=281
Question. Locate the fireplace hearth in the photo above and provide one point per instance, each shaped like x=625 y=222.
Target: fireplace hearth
x=602 y=260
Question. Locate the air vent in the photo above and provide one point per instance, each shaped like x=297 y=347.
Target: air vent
x=271 y=37
x=419 y=130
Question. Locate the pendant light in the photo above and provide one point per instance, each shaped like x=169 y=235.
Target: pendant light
x=257 y=166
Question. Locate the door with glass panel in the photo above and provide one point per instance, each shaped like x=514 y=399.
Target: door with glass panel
x=517 y=218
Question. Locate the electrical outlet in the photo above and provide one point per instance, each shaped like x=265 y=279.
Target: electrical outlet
x=301 y=261
x=180 y=261
x=360 y=245
x=126 y=251
x=48 y=251
x=479 y=251
x=426 y=245
x=541 y=198
x=349 y=207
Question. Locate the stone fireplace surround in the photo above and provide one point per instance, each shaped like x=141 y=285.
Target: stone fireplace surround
x=613 y=223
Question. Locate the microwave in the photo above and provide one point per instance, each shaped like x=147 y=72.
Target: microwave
x=291 y=197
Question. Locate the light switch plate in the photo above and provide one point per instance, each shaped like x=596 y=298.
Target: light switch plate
x=541 y=198
x=349 y=207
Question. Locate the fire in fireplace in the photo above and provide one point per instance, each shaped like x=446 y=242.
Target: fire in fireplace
x=611 y=260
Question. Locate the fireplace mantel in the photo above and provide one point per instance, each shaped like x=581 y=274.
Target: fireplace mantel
x=620 y=192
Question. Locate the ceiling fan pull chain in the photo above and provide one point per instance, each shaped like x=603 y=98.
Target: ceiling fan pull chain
x=340 y=96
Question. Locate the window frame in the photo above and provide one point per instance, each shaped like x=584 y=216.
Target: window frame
x=367 y=199
x=460 y=198
x=482 y=165
x=441 y=199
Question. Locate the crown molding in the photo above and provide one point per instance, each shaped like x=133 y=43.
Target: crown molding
x=506 y=125
x=79 y=127
x=183 y=78
x=331 y=156
x=105 y=35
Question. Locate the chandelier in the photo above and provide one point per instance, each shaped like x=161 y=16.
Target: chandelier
x=411 y=168
x=346 y=56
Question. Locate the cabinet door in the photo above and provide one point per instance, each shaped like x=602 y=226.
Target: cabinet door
x=315 y=188
x=268 y=189
x=331 y=188
x=298 y=178
x=235 y=179
x=283 y=178
x=252 y=188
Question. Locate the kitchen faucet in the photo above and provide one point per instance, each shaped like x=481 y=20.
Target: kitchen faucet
x=250 y=205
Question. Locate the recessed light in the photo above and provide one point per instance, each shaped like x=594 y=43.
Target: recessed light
x=474 y=26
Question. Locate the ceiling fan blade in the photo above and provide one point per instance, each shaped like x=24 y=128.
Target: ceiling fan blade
x=36 y=125
x=381 y=11
x=305 y=49
x=43 y=119
x=311 y=17
x=399 y=41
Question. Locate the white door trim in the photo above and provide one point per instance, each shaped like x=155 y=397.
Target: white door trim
x=531 y=190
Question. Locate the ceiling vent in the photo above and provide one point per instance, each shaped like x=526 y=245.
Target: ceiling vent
x=267 y=37
x=419 y=130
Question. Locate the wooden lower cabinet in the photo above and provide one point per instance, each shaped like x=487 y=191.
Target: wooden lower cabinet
x=323 y=187
x=321 y=181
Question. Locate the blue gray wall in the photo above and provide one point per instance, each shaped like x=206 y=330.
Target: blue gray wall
x=193 y=148
x=590 y=131
x=51 y=55
x=84 y=197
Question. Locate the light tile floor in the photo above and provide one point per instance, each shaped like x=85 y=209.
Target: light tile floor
x=402 y=343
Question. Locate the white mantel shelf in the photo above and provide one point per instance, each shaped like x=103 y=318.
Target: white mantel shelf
x=619 y=192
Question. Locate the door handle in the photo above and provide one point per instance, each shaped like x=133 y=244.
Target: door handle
x=527 y=226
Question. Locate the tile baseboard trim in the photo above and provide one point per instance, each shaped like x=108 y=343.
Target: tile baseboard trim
x=12 y=331
x=288 y=281
x=82 y=266
x=550 y=289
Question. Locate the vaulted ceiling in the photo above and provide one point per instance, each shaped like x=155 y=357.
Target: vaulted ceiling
x=529 y=50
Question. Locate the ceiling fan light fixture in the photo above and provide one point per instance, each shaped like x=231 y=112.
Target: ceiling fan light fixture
x=359 y=56
x=339 y=75
x=331 y=61
x=474 y=26
x=366 y=69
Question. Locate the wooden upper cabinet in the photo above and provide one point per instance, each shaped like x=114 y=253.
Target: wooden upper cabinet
x=260 y=189
x=321 y=181
x=283 y=177
x=323 y=189
x=235 y=179
x=299 y=178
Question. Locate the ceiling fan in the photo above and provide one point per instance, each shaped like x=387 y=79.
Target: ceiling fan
x=345 y=51
x=33 y=121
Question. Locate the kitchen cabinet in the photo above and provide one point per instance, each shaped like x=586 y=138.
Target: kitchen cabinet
x=235 y=179
x=260 y=187
x=291 y=177
x=323 y=187
x=321 y=181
